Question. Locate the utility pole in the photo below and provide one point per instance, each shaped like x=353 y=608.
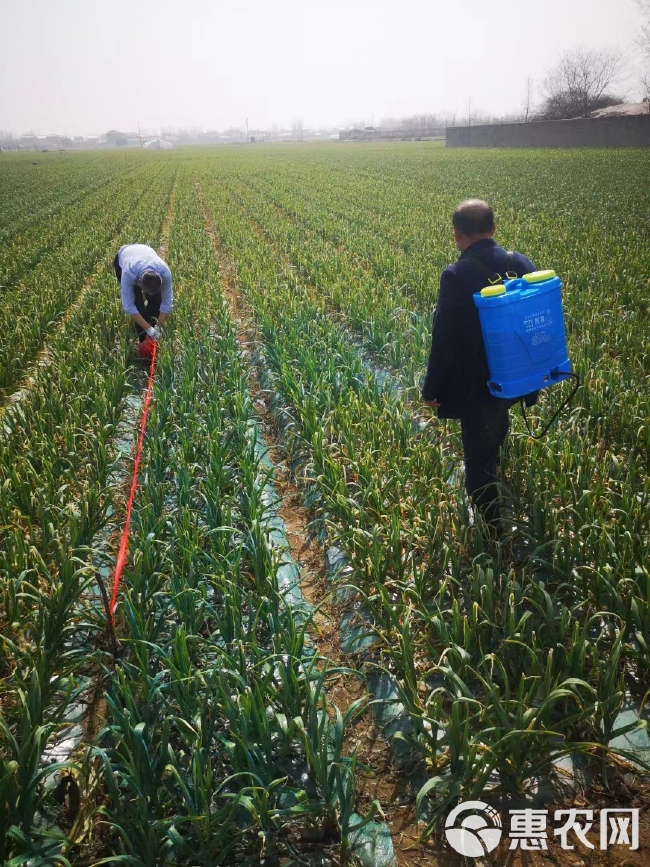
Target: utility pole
x=247 y=138
x=139 y=136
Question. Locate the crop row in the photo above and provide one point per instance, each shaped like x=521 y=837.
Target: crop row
x=63 y=275
x=500 y=674
x=56 y=454
x=379 y=300
x=606 y=440
x=35 y=188
x=216 y=741
x=220 y=743
x=25 y=249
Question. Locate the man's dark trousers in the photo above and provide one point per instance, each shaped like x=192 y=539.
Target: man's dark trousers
x=151 y=311
x=484 y=428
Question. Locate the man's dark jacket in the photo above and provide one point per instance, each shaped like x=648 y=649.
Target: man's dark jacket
x=457 y=372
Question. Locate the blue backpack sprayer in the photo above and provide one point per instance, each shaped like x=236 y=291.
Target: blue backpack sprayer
x=523 y=329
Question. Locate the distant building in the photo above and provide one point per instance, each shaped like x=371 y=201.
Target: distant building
x=353 y=135
x=158 y=144
x=29 y=141
x=623 y=109
x=371 y=133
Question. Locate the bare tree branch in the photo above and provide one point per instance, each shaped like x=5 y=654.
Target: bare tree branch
x=528 y=103
x=645 y=85
x=643 y=39
x=578 y=84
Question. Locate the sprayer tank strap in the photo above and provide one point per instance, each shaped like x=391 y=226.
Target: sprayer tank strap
x=491 y=278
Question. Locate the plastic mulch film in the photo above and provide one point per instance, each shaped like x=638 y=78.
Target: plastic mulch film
x=372 y=843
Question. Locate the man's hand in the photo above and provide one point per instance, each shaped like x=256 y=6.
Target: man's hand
x=155 y=333
x=432 y=403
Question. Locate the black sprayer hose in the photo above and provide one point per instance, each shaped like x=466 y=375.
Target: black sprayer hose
x=564 y=403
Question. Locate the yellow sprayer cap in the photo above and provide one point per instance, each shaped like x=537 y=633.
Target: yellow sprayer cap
x=538 y=276
x=492 y=291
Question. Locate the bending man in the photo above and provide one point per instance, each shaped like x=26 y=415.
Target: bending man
x=457 y=373
x=146 y=285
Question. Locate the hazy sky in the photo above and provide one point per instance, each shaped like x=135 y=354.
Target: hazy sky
x=83 y=66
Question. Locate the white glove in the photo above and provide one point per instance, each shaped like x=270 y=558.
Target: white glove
x=155 y=332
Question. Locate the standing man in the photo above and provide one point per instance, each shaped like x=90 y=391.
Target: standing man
x=457 y=372
x=146 y=285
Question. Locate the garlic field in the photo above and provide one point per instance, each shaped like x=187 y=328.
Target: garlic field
x=223 y=718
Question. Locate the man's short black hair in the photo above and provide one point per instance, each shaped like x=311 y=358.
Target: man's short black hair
x=473 y=217
x=151 y=282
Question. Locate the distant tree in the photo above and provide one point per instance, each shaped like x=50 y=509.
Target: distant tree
x=420 y=122
x=580 y=83
x=115 y=137
x=297 y=129
x=643 y=42
x=644 y=81
x=643 y=39
x=528 y=101
x=6 y=140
